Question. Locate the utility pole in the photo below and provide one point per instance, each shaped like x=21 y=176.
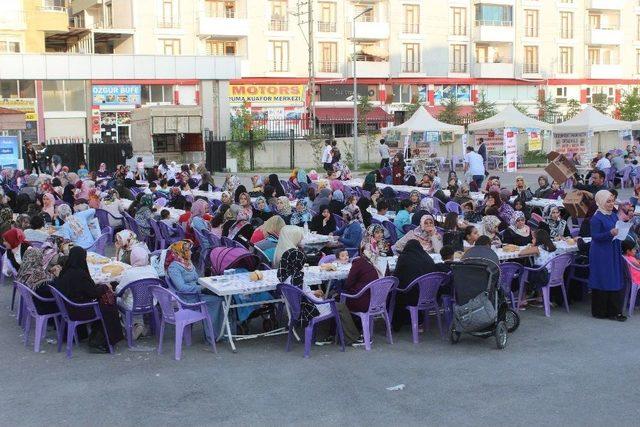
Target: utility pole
x=308 y=37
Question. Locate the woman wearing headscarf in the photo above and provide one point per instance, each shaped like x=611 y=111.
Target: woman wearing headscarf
x=126 y=240
x=544 y=188
x=76 y=284
x=102 y=172
x=370 y=182
x=283 y=208
x=397 y=169
x=207 y=183
x=290 y=238
x=238 y=191
x=231 y=182
x=323 y=222
x=16 y=245
x=76 y=227
x=322 y=198
x=412 y=263
x=375 y=247
x=112 y=203
x=198 y=209
x=6 y=219
x=22 y=203
x=520 y=205
x=301 y=215
x=490 y=226
x=30 y=189
x=426 y=234
x=521 y=190
x=83 y=194
x=350 y=235
x=262 y=209
x=605 y=261
x=303 y=181
x=246 y=210
x=48 y=207
x=143 y=215
x=23 y=221
x=557 y=226
x=518 y=233
x=218 y=216
x=505 y=210
x=184 y=278
x=336 y=203
x=364 y=204
x=35 y=275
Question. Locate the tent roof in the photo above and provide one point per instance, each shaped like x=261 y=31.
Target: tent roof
x=510 y=117
x=591 y=119
x=422 y=121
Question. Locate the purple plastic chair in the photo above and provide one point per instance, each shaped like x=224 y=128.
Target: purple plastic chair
x=158 y=240
x=101 y=242
x=161 y=201
x=171 y=235
x=379 y=289
x=103 y=219
x=626 y=176
x=327 y=259
x=508 y=272
x=142 y=304
x=408 y=227
x=339 y=221
x=393 y=231
x=634 y=288
x=181 y=314
x=453 y=207
x=293 y=297
x=27 y=296
x=428 y=285
x=215 y=240
x=71 y=324
x=556 y=278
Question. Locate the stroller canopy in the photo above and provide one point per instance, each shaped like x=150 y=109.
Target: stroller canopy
x=225 y=258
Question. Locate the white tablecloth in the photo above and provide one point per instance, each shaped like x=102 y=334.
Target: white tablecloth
x=95 y=269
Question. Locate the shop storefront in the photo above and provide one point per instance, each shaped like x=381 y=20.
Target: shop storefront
x=111 y=111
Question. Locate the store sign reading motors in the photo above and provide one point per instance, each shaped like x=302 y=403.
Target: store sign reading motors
x=273 y=94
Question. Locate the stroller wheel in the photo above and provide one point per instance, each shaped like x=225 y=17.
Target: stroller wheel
x=501 y=335
x=512 y=319
x=454 y=336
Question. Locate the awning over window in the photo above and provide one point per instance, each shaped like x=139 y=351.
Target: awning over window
x=345 y=115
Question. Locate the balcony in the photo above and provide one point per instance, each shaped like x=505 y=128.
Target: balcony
x=328 y=67
x=605 y=4
x=411 y=67
x=494 y=31
x=279 y=25
x=373 y=69
x=168 y=23
x=210 y=26
x=326 y=27
x=605 y=71
x=494 y=70
x=458 y=68
x=369 y=30
x=604 y=36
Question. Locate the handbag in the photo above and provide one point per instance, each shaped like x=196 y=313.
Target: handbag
x=475 y=315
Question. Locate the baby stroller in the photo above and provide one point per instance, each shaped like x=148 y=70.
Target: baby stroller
x=480 y=308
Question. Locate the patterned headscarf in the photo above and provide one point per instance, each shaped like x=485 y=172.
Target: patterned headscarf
x=64 y=211
x=490 y=224
x=126 y=239
x=283 y=206
x=6 y=215
x=524 y=231
x=370 y=247
x=146 y=201
x=182 y=251
x=32 y=270
x=352 y=213
x=48 y=204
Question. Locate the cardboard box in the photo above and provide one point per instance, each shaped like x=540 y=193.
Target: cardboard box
x=560 y=168
x=577 y=203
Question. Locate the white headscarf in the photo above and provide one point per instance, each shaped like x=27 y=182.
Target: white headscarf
x=290 y=237
x=601 y=200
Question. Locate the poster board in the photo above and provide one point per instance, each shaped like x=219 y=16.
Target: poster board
x=535 y=141
x=572 y=143
x=9 y=156
x=511 y=149
x=494 y=140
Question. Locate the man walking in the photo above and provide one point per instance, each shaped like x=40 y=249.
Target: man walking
x=482 y=150
x=326 y=156
x=383 y=149
x=474 y=165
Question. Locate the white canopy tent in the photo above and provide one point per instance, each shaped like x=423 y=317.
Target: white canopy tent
x=510 y=117
x=591 y=120
x=422 y=121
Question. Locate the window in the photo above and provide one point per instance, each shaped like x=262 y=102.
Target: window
x=221 y=47
x=157 y=94
x=459 y=21
x=494 y=14
x=531 y=23
x=279 y=55
x=566 y=60
x=9 y=46
x=531 y=60
x=358 y=9
x=327 y=22
x=58 y=5
x=411 y=18
x=411 y=63
x=458 y=58
x=220 y=9
x=329 y=57
x=594 y=56
x=8 y=88
x=561 y=91
x=566 y=25
x=63 y=95
x=108 y=15
x=170 y=46
x=169 y=17
x=278 y=15
x=637 y=61
x=27 y=88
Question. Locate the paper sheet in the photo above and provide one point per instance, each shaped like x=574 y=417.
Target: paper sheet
x=623 y=230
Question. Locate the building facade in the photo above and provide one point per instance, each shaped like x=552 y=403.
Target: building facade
x=405 y=51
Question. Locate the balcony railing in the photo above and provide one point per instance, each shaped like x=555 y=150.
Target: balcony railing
x=366 y=18
x=493 y=23
x=532 y=68
x=279 y=66
x=459 y=30
x=328 y=67
x=458 y=67
x=531 y=32
x=278 y=25
x=168 y=23
x=566 y=34
x=411 y=28
x=411 y=67
x=228 y=14
x=326 y=27
x=53 y=8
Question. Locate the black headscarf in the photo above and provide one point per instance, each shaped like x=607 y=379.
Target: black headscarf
x=413 y=262
x=274 y=181
x=67 y=194
x=317 y=222
x=364 y=204
x=239 y=190
x=22 y=203
x=75 y=281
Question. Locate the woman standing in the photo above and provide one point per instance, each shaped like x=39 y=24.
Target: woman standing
x=605 y=266
x=397 y=169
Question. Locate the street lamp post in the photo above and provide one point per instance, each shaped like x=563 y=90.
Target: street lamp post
x=355 y=89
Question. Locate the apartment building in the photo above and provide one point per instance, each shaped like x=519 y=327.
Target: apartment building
x=405 y=50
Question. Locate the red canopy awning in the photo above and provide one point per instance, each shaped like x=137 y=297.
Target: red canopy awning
x=345 y=115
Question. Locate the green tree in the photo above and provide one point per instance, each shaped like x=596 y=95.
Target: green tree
x=629 y=106
x=451 y=112
x=411 y=108
x=484 y=108
x=600 y=101
x=573 y=109
x=520 y=107
x=365 y=107
x=245 y=135
x=548 y=109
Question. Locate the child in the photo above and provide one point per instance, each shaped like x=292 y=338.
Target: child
x=629 y=252
x=342 y=256
x=403 y=217
x=83 y=171
x=446 y=253
x=164 y=187
x=469 y=213
x=165 y=217
x=140 y=168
